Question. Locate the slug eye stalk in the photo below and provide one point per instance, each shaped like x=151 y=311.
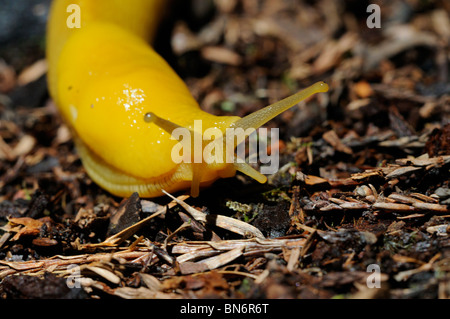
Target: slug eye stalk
x=251 y=121
x=264 y=115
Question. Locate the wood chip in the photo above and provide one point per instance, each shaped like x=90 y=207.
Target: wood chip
x=62 y=262
x=403 y=199
x=393 y=207
x=402 y=171
x=118 y=238
x=225 y=222
x=293 y=258
x=212 y=262
x=314 y=180
x=222 y=259
x=32 y=227
x=355 y=205
x=333 y=139
x=432 y=207
x=44 y=242
x=221 y=55
x=196 y=254
x=7 y=77
x=33 y=72
x=126 y=233
x=411 y=216
x=366 y=174
x=105 y=273
x=439 y=160
x=25 y=146
x=196 y=250
x=150 y=281
x=363 y=89
x=404 y=275
x=424 y=198
x=141 y=293
x=126 y=215
x=330 y=207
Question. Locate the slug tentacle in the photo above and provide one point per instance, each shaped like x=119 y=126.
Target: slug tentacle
x=166 y=125
x=250 y=171
x=262 y=116
x=170 y=127
x=197 y=170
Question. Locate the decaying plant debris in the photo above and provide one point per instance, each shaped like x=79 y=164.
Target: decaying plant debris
x=363 y=180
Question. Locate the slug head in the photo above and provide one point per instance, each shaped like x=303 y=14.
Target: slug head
x=210 y=158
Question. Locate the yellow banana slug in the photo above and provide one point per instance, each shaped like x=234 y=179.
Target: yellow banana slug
x=122 y=100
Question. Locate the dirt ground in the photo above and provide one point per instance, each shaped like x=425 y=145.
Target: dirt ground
x=360 y=207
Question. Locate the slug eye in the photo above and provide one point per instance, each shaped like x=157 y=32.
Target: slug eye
x=166 y=125
x=149 y=117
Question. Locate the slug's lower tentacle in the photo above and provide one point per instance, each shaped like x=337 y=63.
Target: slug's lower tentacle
x=196 y=178
x=250 y=171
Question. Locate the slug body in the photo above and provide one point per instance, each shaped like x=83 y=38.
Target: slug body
x=105 y=77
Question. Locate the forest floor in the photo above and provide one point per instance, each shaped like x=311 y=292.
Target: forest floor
x=360 y=207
